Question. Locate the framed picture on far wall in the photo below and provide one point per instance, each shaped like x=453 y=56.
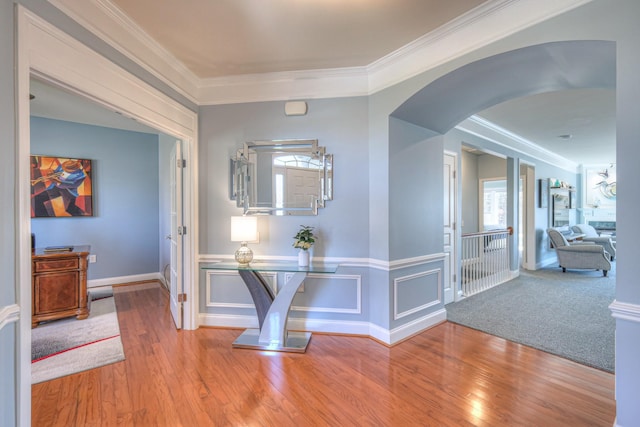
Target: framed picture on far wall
x=60 y=187
x=543 y=193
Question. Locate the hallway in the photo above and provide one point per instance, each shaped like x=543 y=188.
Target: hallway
x=449 y=375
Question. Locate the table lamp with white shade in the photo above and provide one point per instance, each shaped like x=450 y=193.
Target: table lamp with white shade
x=244 y=229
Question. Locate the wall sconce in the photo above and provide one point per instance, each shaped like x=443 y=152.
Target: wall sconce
x=244 y=229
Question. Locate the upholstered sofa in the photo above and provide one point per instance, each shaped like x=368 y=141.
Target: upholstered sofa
x=579 y=255
x=591 y=235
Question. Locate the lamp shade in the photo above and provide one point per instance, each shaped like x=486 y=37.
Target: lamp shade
x=244 y=228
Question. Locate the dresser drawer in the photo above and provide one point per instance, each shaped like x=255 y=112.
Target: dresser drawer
x=56 y=264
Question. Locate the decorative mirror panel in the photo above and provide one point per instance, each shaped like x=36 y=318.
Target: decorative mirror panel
x=282 y=177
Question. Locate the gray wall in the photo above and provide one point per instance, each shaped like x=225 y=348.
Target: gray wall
x=8 y=282
x=342 y=227
x=339 y=125
x=123 y=233
x=469 y=189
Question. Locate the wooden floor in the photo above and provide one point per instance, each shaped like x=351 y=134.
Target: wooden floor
x=448 y=375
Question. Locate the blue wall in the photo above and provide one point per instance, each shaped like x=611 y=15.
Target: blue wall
x=340 y=125
x=123 y=233
x=342 y=227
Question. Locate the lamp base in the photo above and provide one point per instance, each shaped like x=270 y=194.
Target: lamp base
x=244 y=255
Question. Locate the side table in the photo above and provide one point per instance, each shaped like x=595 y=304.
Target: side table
x=59 y=284
x=273 y=309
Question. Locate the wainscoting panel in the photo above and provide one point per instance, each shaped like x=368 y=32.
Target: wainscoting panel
x=329 y=293
x=228 y=284
x=416 y=292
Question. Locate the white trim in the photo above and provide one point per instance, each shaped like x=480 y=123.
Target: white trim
x=366 y=329
x=53 y=55
x=415 y=261
x=48 y=52
x=625 y=311
x=109 y=23
x=23 y=231
x=284 y=86
x=489 y=131
x=396 y=287
x=9 y=314
x=377 y=264
x=407 y=330
x=228 y=320
x=110 y=281
x=481 y=26
x=485 y=24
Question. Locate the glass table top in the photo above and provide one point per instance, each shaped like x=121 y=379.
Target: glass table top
x=272 y=266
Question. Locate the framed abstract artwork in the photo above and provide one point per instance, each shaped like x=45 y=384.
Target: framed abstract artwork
x=60 y=187
x=601 y=187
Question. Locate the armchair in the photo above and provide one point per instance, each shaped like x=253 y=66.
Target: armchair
x=579 y=255
x=591 y=235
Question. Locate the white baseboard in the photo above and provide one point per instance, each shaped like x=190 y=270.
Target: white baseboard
x=110 y=281
x=409 y=329
x=366 y=329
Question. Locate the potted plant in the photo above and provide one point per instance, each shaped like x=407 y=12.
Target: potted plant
x=304 y=239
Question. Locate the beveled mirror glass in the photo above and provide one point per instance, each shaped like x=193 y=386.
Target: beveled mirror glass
x=283 y=177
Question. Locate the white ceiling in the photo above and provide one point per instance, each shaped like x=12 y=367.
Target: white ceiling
x=216 y=39
x=231 y=37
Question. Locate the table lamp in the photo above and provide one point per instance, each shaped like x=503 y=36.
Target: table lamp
x=244 y=229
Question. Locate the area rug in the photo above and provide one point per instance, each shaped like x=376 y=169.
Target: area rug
x=566 y=314
x=67 y=346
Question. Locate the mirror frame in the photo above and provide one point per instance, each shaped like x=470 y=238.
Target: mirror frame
x=241 y=177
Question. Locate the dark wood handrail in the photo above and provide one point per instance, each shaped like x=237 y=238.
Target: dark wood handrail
x=508 y=230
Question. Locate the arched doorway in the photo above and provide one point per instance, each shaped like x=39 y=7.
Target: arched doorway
x=450 y=99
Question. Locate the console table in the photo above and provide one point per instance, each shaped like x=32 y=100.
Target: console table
x=273 y=309
x=59 y=284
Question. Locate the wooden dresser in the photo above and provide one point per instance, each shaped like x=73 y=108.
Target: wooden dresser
x=59 y=284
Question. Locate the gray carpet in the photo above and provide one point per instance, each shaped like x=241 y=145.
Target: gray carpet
x=66 y=346
x=565 y=314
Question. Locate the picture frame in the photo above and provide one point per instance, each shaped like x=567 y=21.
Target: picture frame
x=61 y=187
x=543 y=193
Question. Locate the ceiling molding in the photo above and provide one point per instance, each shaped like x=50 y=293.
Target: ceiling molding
x=477 y=28
x=334 y=83
x=482 y=128
x=110 y=24
x=481 y=26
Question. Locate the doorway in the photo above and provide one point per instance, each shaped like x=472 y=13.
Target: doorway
x=52 y=55
x=131 y=193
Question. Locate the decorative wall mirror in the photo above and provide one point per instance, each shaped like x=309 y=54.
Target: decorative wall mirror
x=282 y=177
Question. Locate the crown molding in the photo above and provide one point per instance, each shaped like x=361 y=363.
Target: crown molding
x=282 y=86
x=489 y=131
x=479 y=27
x=106 y=21
x=485 y=24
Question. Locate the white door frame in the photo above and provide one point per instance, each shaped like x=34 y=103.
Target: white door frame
x=49 y=53
x=176 y=284
x=451 y=231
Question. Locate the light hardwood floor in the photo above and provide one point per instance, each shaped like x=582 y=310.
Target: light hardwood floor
x=449 y=375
